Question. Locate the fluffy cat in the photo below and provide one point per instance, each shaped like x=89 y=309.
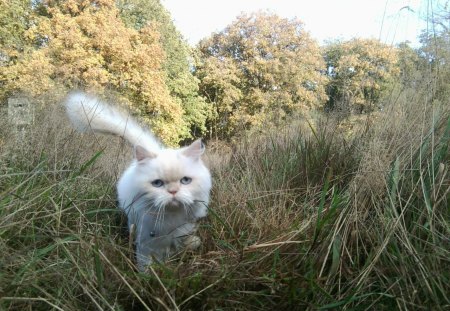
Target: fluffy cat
x=163 y=192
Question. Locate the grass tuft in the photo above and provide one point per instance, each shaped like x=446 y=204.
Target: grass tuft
x=306 y=217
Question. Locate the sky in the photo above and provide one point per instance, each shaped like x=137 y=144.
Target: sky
x=391 y=21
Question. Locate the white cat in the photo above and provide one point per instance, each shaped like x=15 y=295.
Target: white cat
x=163 y=192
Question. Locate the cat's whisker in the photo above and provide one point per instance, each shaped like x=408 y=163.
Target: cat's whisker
x=159 y=216
x=163 y=214
x=189 y=211
x=204 y=203
x=186 y=209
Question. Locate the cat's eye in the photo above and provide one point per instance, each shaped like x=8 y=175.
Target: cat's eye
x=185 y=180
x=157 y=183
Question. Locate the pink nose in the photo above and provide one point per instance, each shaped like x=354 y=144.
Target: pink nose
x=172 y=192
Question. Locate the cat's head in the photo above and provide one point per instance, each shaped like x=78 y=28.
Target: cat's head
x=173 y=177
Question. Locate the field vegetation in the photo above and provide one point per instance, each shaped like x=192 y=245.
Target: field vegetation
x=331 y=182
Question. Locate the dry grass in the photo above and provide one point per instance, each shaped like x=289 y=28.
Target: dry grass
x=301 y=218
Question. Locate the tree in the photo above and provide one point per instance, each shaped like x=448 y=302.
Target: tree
x=411 y=65
x=14 y=21
x=261 y=68
x=84 y=44
x=180 y=80
x=220 y=82
x=359 y=71
x=435 y=51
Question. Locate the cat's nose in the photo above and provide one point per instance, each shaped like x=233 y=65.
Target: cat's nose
x=173 y=192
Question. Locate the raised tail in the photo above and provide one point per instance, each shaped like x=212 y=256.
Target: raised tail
x=87 y=112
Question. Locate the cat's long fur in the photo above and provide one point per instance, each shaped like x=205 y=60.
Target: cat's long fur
x=163 y=192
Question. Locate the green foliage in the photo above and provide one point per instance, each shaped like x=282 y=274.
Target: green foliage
x=181 y=82
x=84 y=44
x=261 y=68
x=412 y=66
x=435 y=50
x=220 y=83
x=14 y=21
x=359 y=71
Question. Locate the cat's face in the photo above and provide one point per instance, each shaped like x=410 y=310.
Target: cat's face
x=174 y=178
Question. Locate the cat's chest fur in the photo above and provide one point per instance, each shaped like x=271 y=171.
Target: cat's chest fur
x=174 y=223
x=158 y=236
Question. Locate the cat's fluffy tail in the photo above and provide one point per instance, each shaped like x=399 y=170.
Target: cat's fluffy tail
x=89 y=113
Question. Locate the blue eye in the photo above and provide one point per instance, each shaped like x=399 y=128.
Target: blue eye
x=157 y=183
x=185 y=180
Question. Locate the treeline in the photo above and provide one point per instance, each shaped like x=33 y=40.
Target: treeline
x=261 y=69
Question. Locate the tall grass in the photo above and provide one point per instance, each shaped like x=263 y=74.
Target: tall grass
x=301 y=218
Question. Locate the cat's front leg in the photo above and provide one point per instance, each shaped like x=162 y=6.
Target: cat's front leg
x=151 y=245
x=185 y=238
x=192 y=242
x=143 y=260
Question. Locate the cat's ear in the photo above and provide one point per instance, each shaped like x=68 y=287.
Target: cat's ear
x=194 y=150
x=141 y=153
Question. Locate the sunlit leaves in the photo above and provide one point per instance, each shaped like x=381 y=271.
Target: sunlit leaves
x=183 y=86
x=359 y=71
x=261 y=68
x=85 y=44
x=14 y=20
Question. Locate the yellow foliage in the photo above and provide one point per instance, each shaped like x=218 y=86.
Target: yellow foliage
x=261 y=68
x=360 y=69
x=84 y=44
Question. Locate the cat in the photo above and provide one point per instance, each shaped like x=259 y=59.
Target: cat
x=164 y=191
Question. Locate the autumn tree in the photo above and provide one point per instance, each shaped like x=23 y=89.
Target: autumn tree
x=85 y=44
x=435 y=51
x=411 y=65
x=15 y=18
x=221 y=84
x=261 y=68
x=177 y=64
x=359 y=71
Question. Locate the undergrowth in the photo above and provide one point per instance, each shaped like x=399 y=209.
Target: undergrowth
x=299 y=219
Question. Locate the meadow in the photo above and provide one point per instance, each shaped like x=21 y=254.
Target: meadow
x=311 y=216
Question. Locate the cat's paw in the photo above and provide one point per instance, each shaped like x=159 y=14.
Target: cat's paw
x=192 y=242
x=143 y=263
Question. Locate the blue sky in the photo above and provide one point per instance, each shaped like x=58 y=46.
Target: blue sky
x=391 y=21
